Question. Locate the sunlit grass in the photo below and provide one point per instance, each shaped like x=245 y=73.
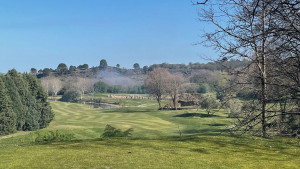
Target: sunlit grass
x=155 y=143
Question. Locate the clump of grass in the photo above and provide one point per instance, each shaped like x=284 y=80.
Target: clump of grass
x=111 y=131
x=53 y=136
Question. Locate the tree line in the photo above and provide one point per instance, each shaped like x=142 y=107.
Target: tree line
x=63 y=69
x=23 y=103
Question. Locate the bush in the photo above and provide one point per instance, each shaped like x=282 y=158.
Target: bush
x=115 y=89
x=209 y=103
x=70 y=96
x=53 y=136
x=235 y=107
x=111 y=131
x=136 y=89
x=101 y=87
x=202 y=88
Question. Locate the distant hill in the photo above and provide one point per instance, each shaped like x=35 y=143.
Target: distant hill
x=115 y=75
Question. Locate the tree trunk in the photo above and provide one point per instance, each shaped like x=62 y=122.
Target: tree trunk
x=263 y=74
x=174 y=99
x=159 y=101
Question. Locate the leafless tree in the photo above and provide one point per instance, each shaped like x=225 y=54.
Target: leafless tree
x=156 y=83
x=266 y=33
x=174 y=87
x=45 y=84
x=55 y=85
x=52 y=85
x=84 y=85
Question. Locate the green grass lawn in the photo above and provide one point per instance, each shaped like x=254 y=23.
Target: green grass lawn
x=155 y=142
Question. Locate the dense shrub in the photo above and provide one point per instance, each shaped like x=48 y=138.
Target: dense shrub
x=136 y=89
x=101 y=87
x=53 y=136
x=115 y=89
x=70 y=96
x=111 y=131
x=209 y=103
x=202 y=88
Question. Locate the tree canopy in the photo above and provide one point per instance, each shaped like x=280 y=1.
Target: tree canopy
x=23 y=103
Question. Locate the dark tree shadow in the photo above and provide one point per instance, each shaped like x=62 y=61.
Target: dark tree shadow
x=217 y=124
x=209 y=132
x=196 y=115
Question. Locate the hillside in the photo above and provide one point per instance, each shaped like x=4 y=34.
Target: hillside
x=115 y=75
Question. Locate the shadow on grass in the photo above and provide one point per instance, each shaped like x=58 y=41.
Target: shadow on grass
x=200 y=150
x=196 y=115
x=207 y=132
x=128 y=110
x=217 y=124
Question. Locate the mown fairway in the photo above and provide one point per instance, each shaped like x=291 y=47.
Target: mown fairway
x=155 y=142
x=143 y=117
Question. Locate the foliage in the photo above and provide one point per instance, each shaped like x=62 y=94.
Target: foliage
x=24 y=104
x=33 y=71
x=72 y=68
x=7 y=115
x=70 y=96
x=145 y=69
x=137 y=89
x=222 y=85
x=114 y=89
x=202 y=88
x=83 y=67
x=46 y=71
x=53 y=136
x=103 y=64
x=111 y=131
x=18 y=107
x=136 y=66
x=235 y=107
x=209 y=102
x=62 y=69
x=101 y=87
x=43 y=112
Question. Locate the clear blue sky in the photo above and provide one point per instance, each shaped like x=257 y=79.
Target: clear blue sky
x=44 y=33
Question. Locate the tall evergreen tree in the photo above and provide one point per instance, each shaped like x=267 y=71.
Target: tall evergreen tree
x=16 y=103
x=30 y=114
x=23 y=103
x=33 y=117
x=42 y=106
x=7 y=116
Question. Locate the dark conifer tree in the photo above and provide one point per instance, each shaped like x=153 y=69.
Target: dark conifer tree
x=23 y=103
x=30 y=114
x=7 y=116
x=22 y=89
x=16 y=102
x=42 y=106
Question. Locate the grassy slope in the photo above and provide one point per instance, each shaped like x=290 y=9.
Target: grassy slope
x=147 y=148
